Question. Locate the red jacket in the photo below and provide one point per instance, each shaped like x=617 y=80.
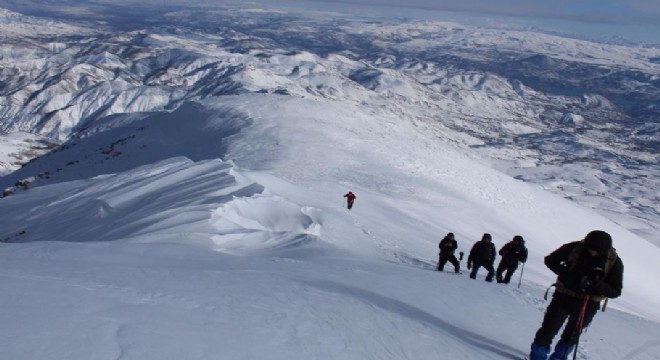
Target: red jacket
x=350 y=196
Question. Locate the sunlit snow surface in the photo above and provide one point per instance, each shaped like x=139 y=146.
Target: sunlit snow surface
x=202 y=217
x=203 y=259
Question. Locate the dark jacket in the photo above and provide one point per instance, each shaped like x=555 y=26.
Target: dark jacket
x=581 y=278
x=512 y=253
x=448 y=246
x=482 y=252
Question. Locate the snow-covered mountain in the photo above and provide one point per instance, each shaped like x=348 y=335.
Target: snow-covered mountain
x=579 y=118
x=238 y=129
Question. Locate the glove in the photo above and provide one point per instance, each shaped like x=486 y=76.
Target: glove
x=600 y=288
x=586 y=285
x=562 y=271
x=469 y=266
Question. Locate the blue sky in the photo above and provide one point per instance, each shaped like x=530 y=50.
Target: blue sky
x=633 y=19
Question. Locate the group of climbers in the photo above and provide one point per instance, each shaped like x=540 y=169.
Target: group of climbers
x=588 y=272
x=483 y=254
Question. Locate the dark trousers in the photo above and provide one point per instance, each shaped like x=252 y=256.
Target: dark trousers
x=349 y=204
x=561 y=307
x=488 y=266
x=509 y=267
x=451 y=258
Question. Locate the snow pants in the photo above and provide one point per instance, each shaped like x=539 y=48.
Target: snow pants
x=451 y=258
x=561 y=307
x=488 y=266
x=506 y=266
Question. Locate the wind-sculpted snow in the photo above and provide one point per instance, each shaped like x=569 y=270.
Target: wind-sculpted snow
x=258 y=223
x=159 y=203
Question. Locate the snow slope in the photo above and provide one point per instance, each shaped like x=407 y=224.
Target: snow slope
x=181 y=258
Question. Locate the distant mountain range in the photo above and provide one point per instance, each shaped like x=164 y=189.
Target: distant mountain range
x=581 y=119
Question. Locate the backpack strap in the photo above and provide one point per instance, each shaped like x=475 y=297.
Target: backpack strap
x=611 y=259
x=545 y=297
x=573 y=257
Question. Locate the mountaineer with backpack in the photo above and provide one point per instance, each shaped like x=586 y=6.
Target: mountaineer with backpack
x=512 y=252
x=482 y=254
x=448 y=246
x=588 y=272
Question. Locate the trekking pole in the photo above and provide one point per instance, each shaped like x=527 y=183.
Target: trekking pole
x=579 y=324
x=522 y=270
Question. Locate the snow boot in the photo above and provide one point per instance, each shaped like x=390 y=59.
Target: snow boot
x=539 y=352
x=562 y=351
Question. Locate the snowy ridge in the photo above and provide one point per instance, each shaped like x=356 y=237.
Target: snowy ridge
x=160 y=202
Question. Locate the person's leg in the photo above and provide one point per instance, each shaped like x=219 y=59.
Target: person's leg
x=442 y=262
x=500 y=270
x=491 y=272
x=454 y=261
x=571 y=334
x=509 y=272
x=554 y=318
x=475 y=269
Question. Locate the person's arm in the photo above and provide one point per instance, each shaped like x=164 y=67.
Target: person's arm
x=523 y=254
x=556 y=260
x=612 y=285
x=504 y=250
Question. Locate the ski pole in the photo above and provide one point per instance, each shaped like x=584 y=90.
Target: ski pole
x=522 y=270
x=579 y=324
